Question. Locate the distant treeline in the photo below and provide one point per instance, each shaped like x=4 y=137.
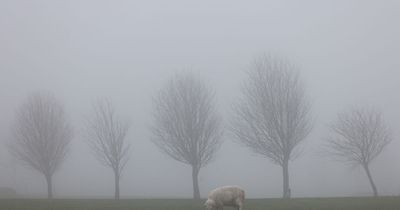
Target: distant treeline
x=271 y=117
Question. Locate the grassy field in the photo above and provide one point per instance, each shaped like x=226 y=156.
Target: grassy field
x=383 y=203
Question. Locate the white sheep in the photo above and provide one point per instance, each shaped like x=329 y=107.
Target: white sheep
x=225 y=196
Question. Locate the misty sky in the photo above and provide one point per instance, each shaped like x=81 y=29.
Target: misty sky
x=348 y=53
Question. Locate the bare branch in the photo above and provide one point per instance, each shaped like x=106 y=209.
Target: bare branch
x=361 y=135
x=41 y=135
x=272 y=117
x=187 y=127
x=106 y=137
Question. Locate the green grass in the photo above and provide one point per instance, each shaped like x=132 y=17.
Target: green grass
x=382 y=203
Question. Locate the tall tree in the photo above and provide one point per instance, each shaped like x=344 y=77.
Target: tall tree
x=41 y=135
x=187 y=127
x=106 y=137
x=272 y=117
x=361 y=135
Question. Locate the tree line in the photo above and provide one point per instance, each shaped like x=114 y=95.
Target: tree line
x=272 y=116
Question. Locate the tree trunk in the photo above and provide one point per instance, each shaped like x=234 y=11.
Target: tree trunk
x=285 y=170
x=196 y=190
x=49 y=186
x=370 y=180
x=116 y=179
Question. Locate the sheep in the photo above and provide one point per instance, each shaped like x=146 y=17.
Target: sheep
x=225 y=196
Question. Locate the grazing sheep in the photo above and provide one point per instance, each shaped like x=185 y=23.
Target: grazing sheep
x=225 y=196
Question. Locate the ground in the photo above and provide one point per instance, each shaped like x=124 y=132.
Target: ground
x=382 y=203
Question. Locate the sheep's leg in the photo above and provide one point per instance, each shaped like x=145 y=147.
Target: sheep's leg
x=239 y=205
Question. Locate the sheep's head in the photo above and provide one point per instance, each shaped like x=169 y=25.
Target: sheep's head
x=209 y=204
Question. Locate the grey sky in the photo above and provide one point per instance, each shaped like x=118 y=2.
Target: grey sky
x=348 y=53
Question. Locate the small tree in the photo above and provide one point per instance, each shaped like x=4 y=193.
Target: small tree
x=273 y=116
x=41 y=135
x=106 y=137
x=360 y=137
x=187 y=127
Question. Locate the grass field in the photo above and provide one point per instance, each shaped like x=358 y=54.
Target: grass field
x=383 y=203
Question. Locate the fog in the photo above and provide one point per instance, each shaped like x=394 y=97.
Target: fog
x=347 y=53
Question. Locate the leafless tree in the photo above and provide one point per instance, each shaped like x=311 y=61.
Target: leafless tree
x=41 y=135
x=187 y=127
x=106 y=137
x=361 y=135
x=272 y=117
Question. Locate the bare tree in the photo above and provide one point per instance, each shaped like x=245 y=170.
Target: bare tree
x=41 y=135
x=272 y=117
x=187 y=127
x=361 y=136
x=106 y=137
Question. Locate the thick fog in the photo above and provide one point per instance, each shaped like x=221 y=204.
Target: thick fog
x=347 y=53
